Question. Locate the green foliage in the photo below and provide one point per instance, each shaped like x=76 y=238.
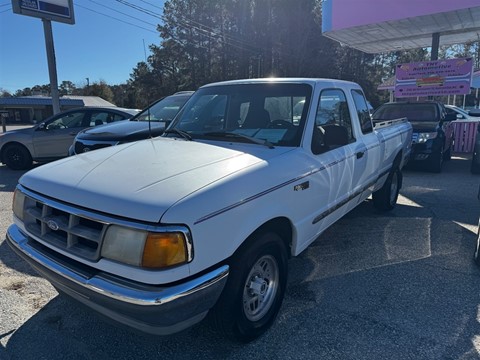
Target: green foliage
x=101 y=89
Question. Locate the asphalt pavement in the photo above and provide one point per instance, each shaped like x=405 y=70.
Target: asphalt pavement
x=397 y=285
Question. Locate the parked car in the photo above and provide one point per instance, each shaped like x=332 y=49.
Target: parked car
x=51 y=139
x=150 y=122
x=475 y=113
x=460 y=113
x=432 y=138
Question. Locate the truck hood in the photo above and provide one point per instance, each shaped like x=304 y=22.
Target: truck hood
x=122 y=129
x=142 y=180
x=424 y=126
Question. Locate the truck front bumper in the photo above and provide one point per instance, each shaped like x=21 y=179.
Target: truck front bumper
x=159 y=310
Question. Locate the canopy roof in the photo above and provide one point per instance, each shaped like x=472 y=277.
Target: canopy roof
x=390 y=25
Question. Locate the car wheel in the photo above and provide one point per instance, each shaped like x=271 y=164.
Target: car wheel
x=447 y=155
x=474 y=167
x=477 y=248
x=17 y=157
x=255 y=288
x=385 y=199
x=436 y=162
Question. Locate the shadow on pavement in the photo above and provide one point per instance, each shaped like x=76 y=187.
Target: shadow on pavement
x=382 y=292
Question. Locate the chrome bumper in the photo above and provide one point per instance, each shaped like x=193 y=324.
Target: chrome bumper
x=159 y=310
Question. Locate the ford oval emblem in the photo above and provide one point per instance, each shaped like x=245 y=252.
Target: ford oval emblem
x=52 y=225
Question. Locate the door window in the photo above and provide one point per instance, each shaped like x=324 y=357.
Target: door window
x=103 y=117
x=71 y=120
x=333 y=124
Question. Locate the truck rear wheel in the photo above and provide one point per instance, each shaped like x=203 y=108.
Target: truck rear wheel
x=255 y=289
x=386 y=198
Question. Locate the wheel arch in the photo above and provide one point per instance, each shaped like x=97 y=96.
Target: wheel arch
x=282 y=226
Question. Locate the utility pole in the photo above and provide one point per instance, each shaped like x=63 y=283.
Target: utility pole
x=52 y=66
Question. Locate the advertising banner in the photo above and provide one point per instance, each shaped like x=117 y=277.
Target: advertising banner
x=430 y=78
x=54 y=10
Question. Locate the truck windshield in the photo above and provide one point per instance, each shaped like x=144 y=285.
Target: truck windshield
x=265 y=113
x=412 y=111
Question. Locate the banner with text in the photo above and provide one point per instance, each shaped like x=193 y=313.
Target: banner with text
x=430 y=78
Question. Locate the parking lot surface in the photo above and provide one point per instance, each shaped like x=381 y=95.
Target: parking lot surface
x=400 y=285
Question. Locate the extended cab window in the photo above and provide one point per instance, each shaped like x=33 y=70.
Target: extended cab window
x=333 y=124
x=362 y=111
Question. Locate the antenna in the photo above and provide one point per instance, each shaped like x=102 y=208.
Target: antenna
x=148 y=100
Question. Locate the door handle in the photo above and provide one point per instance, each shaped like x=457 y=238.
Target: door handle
x=360 y=154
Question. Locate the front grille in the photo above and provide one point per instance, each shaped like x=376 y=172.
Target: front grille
x=414 y=138
x=63 y=229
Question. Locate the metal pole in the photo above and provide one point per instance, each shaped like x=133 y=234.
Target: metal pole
x=435 y=46
x=434 y=51
x=52 y=66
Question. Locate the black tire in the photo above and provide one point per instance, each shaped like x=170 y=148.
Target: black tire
x=474 y=167
x=255 y=288
x=385 y=199
x=447 y=155
x=436 y=162
x=476 y=256
x=17 y=157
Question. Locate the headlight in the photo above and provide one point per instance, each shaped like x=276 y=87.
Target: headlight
x=423 y=137
x=18 y=202
x=142 y=248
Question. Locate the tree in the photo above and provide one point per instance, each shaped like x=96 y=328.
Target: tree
x=100 y=89
x=67 y=88
x=4 y=93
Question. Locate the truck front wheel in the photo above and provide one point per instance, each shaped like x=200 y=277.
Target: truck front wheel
x=255 y=289
x=386 y=198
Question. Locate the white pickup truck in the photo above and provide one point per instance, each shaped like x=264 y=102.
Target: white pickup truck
x=156 y=234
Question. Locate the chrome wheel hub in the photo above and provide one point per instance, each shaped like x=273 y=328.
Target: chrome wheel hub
x=261 y=288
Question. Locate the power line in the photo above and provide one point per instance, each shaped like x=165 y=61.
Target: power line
x=114 y=18
x=155 y=6
x=189 y=24
x=120 y=12
x=3 y=11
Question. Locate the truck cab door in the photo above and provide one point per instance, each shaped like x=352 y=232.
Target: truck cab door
x=337 y=156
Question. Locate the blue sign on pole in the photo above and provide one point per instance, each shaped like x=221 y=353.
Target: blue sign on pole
x=54 y=10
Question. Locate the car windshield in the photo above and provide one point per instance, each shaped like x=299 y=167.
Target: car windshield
x=163 y=110
x=413 y=112
x=272 y=114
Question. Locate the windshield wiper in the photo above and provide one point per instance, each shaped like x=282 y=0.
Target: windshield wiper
x=232 y=135
x=182 y=133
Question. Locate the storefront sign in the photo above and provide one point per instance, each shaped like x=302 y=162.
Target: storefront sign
x=430 y=78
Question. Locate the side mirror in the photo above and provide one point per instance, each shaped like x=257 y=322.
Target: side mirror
x=42 y=127
x=450 y=117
